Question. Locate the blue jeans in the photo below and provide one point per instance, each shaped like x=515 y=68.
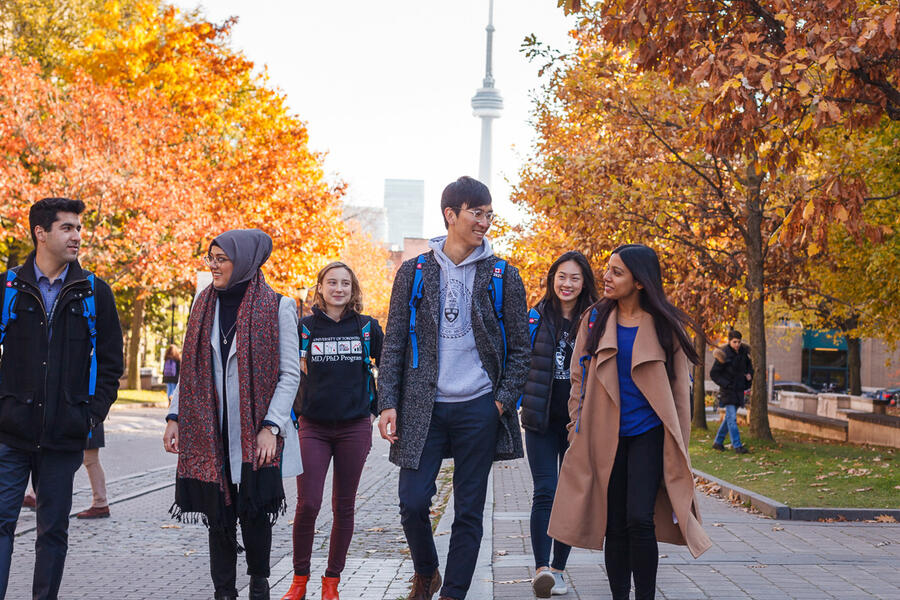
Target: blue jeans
x=52 y=473
x=466 y=432
x=170 y=389
x=545 y=455
x=729 y=426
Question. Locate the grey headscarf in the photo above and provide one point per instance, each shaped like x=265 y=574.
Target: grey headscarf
x=248 y=250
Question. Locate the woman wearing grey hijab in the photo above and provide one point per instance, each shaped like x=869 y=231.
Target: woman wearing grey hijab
x=230 y=417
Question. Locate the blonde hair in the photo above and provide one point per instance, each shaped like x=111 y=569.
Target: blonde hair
x=356 y=300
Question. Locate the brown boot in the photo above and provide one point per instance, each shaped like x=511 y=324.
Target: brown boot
x=329 y=588
x=425 y=586
x=297 y=590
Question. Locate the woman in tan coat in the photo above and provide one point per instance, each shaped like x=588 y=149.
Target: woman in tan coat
x=627 y=474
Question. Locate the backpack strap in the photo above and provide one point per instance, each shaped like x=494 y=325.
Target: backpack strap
x=9 y=298
x=583 y=362
x=534 y=323
x=415 y=297
x=305 y=338
x=497 y=296
x=366 y=334
x=89 y=311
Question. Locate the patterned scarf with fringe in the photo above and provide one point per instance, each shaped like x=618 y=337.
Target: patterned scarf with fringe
x=202 y=492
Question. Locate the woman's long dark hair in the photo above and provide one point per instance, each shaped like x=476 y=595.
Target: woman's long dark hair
x=551 y=307
x=669 y=321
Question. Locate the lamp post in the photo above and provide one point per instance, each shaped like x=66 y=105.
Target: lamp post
x=172 y=324
x=302 y=294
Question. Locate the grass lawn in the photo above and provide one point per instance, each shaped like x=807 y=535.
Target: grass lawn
x=142 y=396
x=800 y=470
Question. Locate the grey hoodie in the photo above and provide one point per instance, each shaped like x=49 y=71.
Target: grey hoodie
x=461 y=376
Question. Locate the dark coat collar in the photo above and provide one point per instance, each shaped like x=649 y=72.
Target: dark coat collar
x=26 y=273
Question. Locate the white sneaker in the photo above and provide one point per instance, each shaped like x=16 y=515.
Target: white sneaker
x=559 y=585
x=543 y=584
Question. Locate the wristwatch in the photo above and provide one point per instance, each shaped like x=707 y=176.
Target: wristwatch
x=275 y=429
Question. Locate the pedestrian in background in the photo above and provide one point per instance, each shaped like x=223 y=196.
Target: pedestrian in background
x=229 y=420
x=627 y=475
x=60 y=368
x=732 y=371
x=99 y=508
x=452 y=369
x=569 y=291
x=338 y=345
x=171 y=369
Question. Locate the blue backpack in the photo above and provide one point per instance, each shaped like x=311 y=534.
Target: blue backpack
x=416 y=296
x=89 y=312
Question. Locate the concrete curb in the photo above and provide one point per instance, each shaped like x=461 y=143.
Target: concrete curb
x=777 y=510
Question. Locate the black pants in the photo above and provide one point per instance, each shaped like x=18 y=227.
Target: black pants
x=223 y=550
x=52 y=473
x=631 y=546
x=468 y=432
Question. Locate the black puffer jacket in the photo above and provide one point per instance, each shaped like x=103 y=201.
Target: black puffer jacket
x=729 y=372
x=44 y=401
x=538 y=388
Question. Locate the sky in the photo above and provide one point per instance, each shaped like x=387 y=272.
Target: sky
x=385 y=87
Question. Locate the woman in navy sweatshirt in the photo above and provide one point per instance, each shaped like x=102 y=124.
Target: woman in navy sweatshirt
x=338 y=346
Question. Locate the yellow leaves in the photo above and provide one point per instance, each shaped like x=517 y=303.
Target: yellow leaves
x=803 y=87
x=766 y=82
x=840 y=213
x=808 y=210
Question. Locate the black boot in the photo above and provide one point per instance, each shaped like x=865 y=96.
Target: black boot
x=259 y=588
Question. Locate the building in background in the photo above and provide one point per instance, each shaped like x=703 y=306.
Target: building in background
x=371 y=219
x=487 y=104
x=404 y=201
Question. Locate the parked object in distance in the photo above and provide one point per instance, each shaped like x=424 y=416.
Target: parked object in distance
x=792 y=386
x=888 y=396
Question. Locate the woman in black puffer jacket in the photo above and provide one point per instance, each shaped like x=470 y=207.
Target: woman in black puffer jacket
x=570 y=290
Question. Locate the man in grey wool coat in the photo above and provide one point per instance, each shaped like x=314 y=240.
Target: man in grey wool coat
x=443 y=387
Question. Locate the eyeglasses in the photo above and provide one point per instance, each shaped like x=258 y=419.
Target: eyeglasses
x=217 y=260
x=479 y=214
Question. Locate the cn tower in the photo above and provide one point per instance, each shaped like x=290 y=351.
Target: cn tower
x=487 y=104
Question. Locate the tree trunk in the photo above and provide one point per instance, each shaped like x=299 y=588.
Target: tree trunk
x=759 y=407
x=699 y=418
x=134 y=345
x=854 y=365
x=15 y=255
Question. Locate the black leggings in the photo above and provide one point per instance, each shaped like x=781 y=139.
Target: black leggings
x=630 y=534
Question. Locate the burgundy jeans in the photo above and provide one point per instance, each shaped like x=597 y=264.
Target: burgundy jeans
x=348 y=442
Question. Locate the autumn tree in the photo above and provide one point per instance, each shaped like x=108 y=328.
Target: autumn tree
x=125 y=156
x=244 y=157
x=777 y=74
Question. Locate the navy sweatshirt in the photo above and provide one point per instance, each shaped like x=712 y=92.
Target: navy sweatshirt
x=336 y=387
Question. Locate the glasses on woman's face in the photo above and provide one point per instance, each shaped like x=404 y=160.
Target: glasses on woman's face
x=215 y=261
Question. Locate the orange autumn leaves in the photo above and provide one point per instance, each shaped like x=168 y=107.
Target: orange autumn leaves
x=169 y=136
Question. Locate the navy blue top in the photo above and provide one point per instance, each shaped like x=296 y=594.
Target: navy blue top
x=637 y=416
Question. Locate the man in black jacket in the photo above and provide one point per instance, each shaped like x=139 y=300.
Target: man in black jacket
x=732 y=371
x=47 y=376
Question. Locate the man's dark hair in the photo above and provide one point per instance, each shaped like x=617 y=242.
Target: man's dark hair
x=734 y=334
x=44 y=213
x=465 y=192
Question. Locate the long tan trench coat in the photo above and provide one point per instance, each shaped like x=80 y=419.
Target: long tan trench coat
x=579 y=509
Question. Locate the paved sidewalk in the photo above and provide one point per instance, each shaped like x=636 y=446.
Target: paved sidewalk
x=752 y=557
x=141 y=553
